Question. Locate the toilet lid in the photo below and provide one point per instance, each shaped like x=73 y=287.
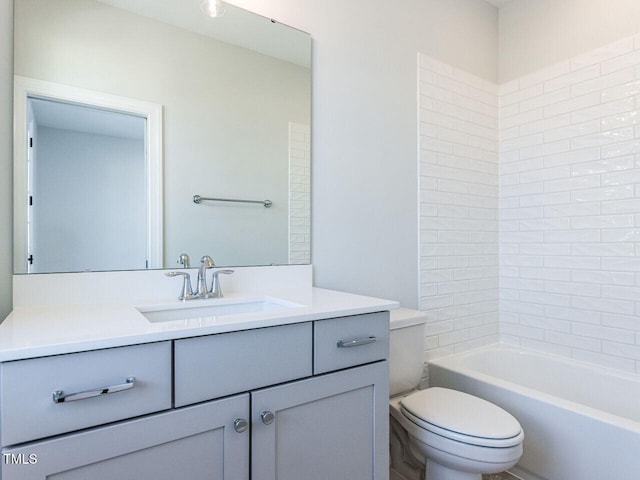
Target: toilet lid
x=461 y=413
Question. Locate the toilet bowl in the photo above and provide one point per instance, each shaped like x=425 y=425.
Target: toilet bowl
x=456 y=435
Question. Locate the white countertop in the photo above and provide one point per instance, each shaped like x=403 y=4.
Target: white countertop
x=41 y=330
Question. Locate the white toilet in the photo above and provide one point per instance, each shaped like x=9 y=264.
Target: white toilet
x=460 y=436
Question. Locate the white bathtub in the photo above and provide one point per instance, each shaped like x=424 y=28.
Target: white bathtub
x=580 y=422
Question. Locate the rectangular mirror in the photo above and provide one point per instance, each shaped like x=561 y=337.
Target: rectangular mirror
x=228 y=118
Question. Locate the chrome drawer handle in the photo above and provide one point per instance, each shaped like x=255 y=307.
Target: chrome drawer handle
x=59 y=396
x=356 y=343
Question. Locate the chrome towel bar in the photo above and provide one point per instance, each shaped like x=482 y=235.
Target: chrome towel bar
x=199 y=199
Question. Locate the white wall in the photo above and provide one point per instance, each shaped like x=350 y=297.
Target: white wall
x=364 y=124
x=537 y=33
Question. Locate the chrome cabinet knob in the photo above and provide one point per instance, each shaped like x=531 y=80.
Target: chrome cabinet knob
x=240 y=425
x=267 y=417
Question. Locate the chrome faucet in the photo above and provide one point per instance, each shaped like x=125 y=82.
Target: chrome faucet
x=216 y=290
x=201 y=291
x=206 y=262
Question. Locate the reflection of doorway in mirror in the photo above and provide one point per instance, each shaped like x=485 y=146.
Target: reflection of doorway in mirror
x=299 y=193
x=87 y=180
x=86 y=208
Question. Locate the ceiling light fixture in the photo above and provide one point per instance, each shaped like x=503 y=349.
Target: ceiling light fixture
x=213 y=8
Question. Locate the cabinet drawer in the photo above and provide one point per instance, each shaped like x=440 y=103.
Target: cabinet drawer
x=27 y=390
x=347 y=341
x=218 y=365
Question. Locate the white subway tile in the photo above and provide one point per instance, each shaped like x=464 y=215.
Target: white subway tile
x=572 y=314
x=602 y=221
x=610 y=81
x=572 y=209
x=603 y=305
x=629 y=322
x=545 y=199
x=603 y=277
x=572 y=236
x=621 y=350
x=603 y=249
x=621 y=62
x=603 y=138
x=573 y=262
x=571 y=340
x=621 y=264
x=602 y=194
x=521 y=94
x=573 y=104
x=570 y=184
x=603 y=110
x=628 y=89
x=550 y=98
x=572 y=78
x=603 y=166
x=545 y=322
x=545 y=174
x=620 y=149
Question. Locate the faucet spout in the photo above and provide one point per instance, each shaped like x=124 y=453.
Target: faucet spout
x=206 y=262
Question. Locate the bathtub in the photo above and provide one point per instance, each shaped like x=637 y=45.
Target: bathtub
x=581 y=422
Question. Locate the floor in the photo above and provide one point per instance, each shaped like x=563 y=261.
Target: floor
x=500 y=476
x=496 y=476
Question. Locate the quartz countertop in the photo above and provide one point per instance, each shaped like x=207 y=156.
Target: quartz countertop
x=37 y=331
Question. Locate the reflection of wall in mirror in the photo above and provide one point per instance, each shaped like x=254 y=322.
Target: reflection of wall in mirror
x=226 y=115
x=88 y=211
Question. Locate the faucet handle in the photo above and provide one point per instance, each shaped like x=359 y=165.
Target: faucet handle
x=216 y=289
x=187 y=291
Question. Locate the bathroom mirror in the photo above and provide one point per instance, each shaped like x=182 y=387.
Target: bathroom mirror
x=235 y=95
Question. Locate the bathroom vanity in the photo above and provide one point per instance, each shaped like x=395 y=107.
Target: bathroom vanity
x=108 y=390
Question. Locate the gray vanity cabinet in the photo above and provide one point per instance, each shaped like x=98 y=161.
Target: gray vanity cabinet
x=327 y=427
x=198 y=442
x=306 y=400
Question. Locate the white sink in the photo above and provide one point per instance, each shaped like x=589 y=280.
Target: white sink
x=214 y=308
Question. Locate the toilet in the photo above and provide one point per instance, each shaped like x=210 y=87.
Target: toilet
x=452 y=435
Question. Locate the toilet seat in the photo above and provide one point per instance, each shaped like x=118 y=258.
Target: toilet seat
x=462 y=417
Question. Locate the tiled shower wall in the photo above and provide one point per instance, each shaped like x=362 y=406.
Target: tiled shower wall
x=569 y=208
x=459 y=208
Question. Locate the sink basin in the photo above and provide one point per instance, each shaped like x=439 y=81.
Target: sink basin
x=214 y=308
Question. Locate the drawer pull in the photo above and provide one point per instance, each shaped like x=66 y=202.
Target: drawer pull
x=356 y=343
x=267 y=417
x=59 y=396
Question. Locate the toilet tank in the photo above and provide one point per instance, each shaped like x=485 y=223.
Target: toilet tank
x=406 y=345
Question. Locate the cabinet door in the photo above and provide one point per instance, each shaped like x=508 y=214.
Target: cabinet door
x=333 y=426
x=198 y=442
